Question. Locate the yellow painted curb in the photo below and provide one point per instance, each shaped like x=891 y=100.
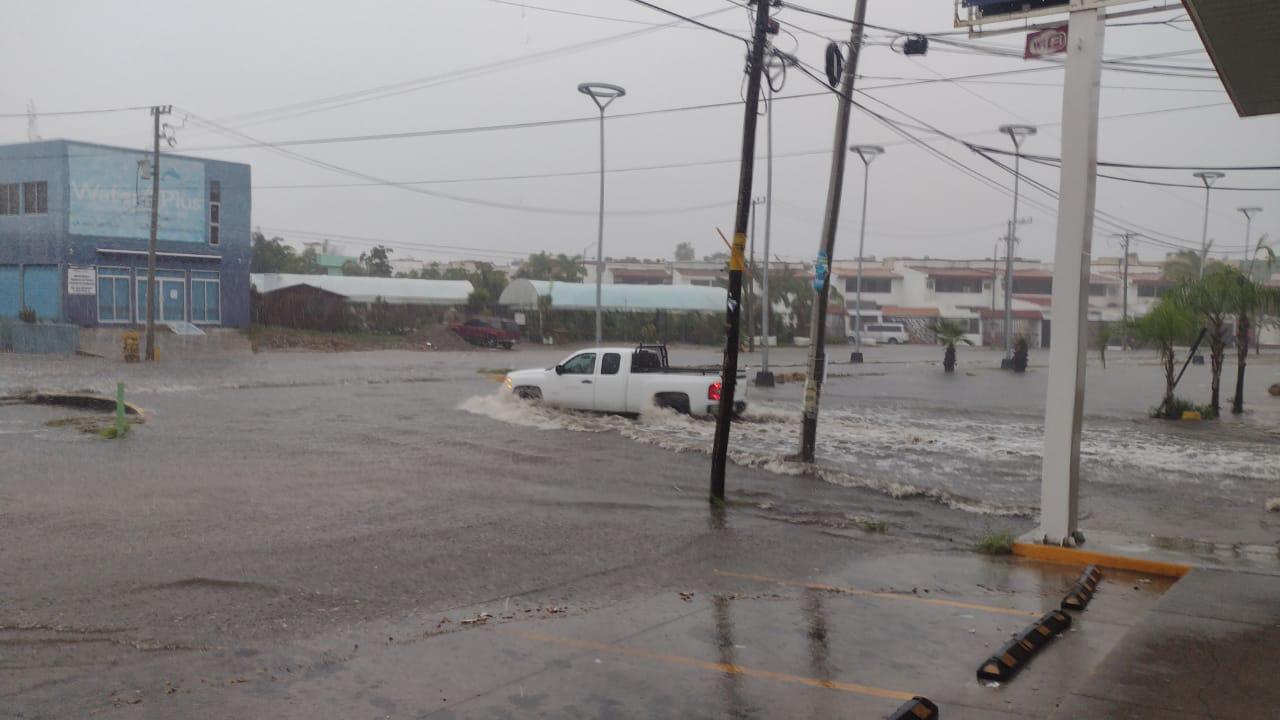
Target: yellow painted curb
x=1081 y=558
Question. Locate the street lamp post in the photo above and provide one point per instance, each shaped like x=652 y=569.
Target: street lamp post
x=603 y=94
x=867 y=153
x=1017 y=133
x=1208 y=178
x=1248 y=213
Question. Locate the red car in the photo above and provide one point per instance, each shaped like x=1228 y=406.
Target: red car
x=489 y=333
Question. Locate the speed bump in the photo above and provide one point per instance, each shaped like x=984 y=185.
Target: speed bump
x=1082 y=591
x=1015 y=654
x=917 y=708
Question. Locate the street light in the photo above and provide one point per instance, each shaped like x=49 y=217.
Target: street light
x=775 y=66
x=1248 y=212
x=1017 y=133
x=602 y=94
x=867 y=153
x=1208 y=178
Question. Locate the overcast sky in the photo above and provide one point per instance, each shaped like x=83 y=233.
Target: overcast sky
x=466 y=63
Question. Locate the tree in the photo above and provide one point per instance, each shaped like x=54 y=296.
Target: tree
x=1250 y=300
x=542 y=266
x=1210 y=299
x=1183 y=266
x=1166 y=326
x=377 y=261
x=1106 y=333
x=351 y=268
x=488 y=282
x=685 y=252
x=717 y=257
x=949 y=333
x=269 y=256
x=478 y=299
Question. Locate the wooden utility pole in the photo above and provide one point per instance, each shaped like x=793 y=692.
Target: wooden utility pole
x=156 y=112
x=822 y=282
x=737 y=261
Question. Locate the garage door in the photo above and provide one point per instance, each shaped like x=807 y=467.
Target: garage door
x=41 y=291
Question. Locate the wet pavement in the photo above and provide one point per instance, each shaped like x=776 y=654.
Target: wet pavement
x=287 y=533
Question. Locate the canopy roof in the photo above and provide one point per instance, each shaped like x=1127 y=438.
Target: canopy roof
x=395 y=291
x=1240 y=36
x=627 y=298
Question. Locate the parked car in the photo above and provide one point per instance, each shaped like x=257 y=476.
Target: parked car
x=490 y=333
x=886 y=333
x=625 y=380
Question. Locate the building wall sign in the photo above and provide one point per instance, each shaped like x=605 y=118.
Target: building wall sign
x=1050 y=41
x=111 y=195
x=82 y=280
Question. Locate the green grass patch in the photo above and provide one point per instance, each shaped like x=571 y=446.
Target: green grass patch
x=995 y=543
x=870 y=525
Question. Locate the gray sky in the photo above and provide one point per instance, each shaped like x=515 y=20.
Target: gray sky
x=228 y=61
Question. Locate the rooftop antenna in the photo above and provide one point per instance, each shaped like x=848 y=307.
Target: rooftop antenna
x=33 y=131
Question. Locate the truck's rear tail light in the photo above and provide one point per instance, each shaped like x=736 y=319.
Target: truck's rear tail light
x=713 y=391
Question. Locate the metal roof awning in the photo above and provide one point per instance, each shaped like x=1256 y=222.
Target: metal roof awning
x=188 y=256
x=1240 y=36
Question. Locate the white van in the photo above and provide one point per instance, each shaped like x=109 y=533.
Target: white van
x=886 y=333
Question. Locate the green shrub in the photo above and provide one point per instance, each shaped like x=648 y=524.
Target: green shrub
x=995 y=543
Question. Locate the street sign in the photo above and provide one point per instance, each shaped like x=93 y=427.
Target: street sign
x=1049 y=41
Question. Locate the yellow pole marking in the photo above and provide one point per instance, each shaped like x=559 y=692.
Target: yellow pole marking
x=726 y=668
x=736 y=260
x=1081 y=558
x=884 y=595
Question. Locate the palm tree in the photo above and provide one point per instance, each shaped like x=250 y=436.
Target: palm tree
x=949 y=333
x=1166 y=326
x=1210 y=299
x=1250 y=299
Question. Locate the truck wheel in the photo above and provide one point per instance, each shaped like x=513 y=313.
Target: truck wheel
x=676 y=401
x=491 y=342
x=506 y=346
x=528 y=393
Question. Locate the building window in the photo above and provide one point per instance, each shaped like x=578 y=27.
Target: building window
x=869 y=285
x=1033 y=286
x=1151 y=291
x=206 y=295
x=10 y=203
x=113 y=295
x=957 y=285
x=215 y=212
x=35 y=198
x=971 y=326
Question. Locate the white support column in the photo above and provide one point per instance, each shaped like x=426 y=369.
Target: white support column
x=1060 y=478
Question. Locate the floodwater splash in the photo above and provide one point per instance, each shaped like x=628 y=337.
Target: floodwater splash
x=987 y=467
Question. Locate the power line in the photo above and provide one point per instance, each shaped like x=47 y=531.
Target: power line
x=691 y=20
x=1137 y=166
x=97 y=111
x=573 y=13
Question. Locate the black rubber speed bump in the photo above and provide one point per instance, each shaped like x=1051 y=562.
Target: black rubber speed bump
x=1082 y=591
x=917 y=708
x=1015 y=654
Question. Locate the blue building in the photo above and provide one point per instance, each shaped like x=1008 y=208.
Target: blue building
x=75 y=220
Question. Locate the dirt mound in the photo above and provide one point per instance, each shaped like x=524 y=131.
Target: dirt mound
x=428 y=338
x=441 y=337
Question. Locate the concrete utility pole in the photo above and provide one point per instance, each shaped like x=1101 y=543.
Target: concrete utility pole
x=603 y=94
x=1017 y=133
x=156 y=112
x=764 y=378
x=995 y=272
x=822 y=282
x=751 y=281
x=729 y=368
x=1064 y=402
x=1126 y=237
x=1208 y=178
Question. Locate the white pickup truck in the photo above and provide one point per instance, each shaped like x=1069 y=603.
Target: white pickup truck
x=625 y=380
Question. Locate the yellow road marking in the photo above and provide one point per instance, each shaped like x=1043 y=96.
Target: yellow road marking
x=727 y=668
x=1081 y=558
x=887 y=596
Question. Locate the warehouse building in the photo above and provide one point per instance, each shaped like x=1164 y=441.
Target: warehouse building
x=75 y=221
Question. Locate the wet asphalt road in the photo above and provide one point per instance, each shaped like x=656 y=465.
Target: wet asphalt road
x=273 y=504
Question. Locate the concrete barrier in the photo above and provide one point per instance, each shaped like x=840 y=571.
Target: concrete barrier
x=39 y=338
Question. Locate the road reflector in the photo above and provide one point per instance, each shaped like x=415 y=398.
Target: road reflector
x=1082 y=591
x=1015 y=654
x=917 y=708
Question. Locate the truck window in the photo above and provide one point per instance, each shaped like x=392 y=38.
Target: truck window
x=645 y=361
x=584 y=364
x=610 y=363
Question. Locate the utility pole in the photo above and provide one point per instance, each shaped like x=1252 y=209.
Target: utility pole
x=764 y=378
x=751 y=279
x=1017 y=133
x=729 y=371
x=995 y=271
x=822 y=281
x=1125 y=237
x=156 y=112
